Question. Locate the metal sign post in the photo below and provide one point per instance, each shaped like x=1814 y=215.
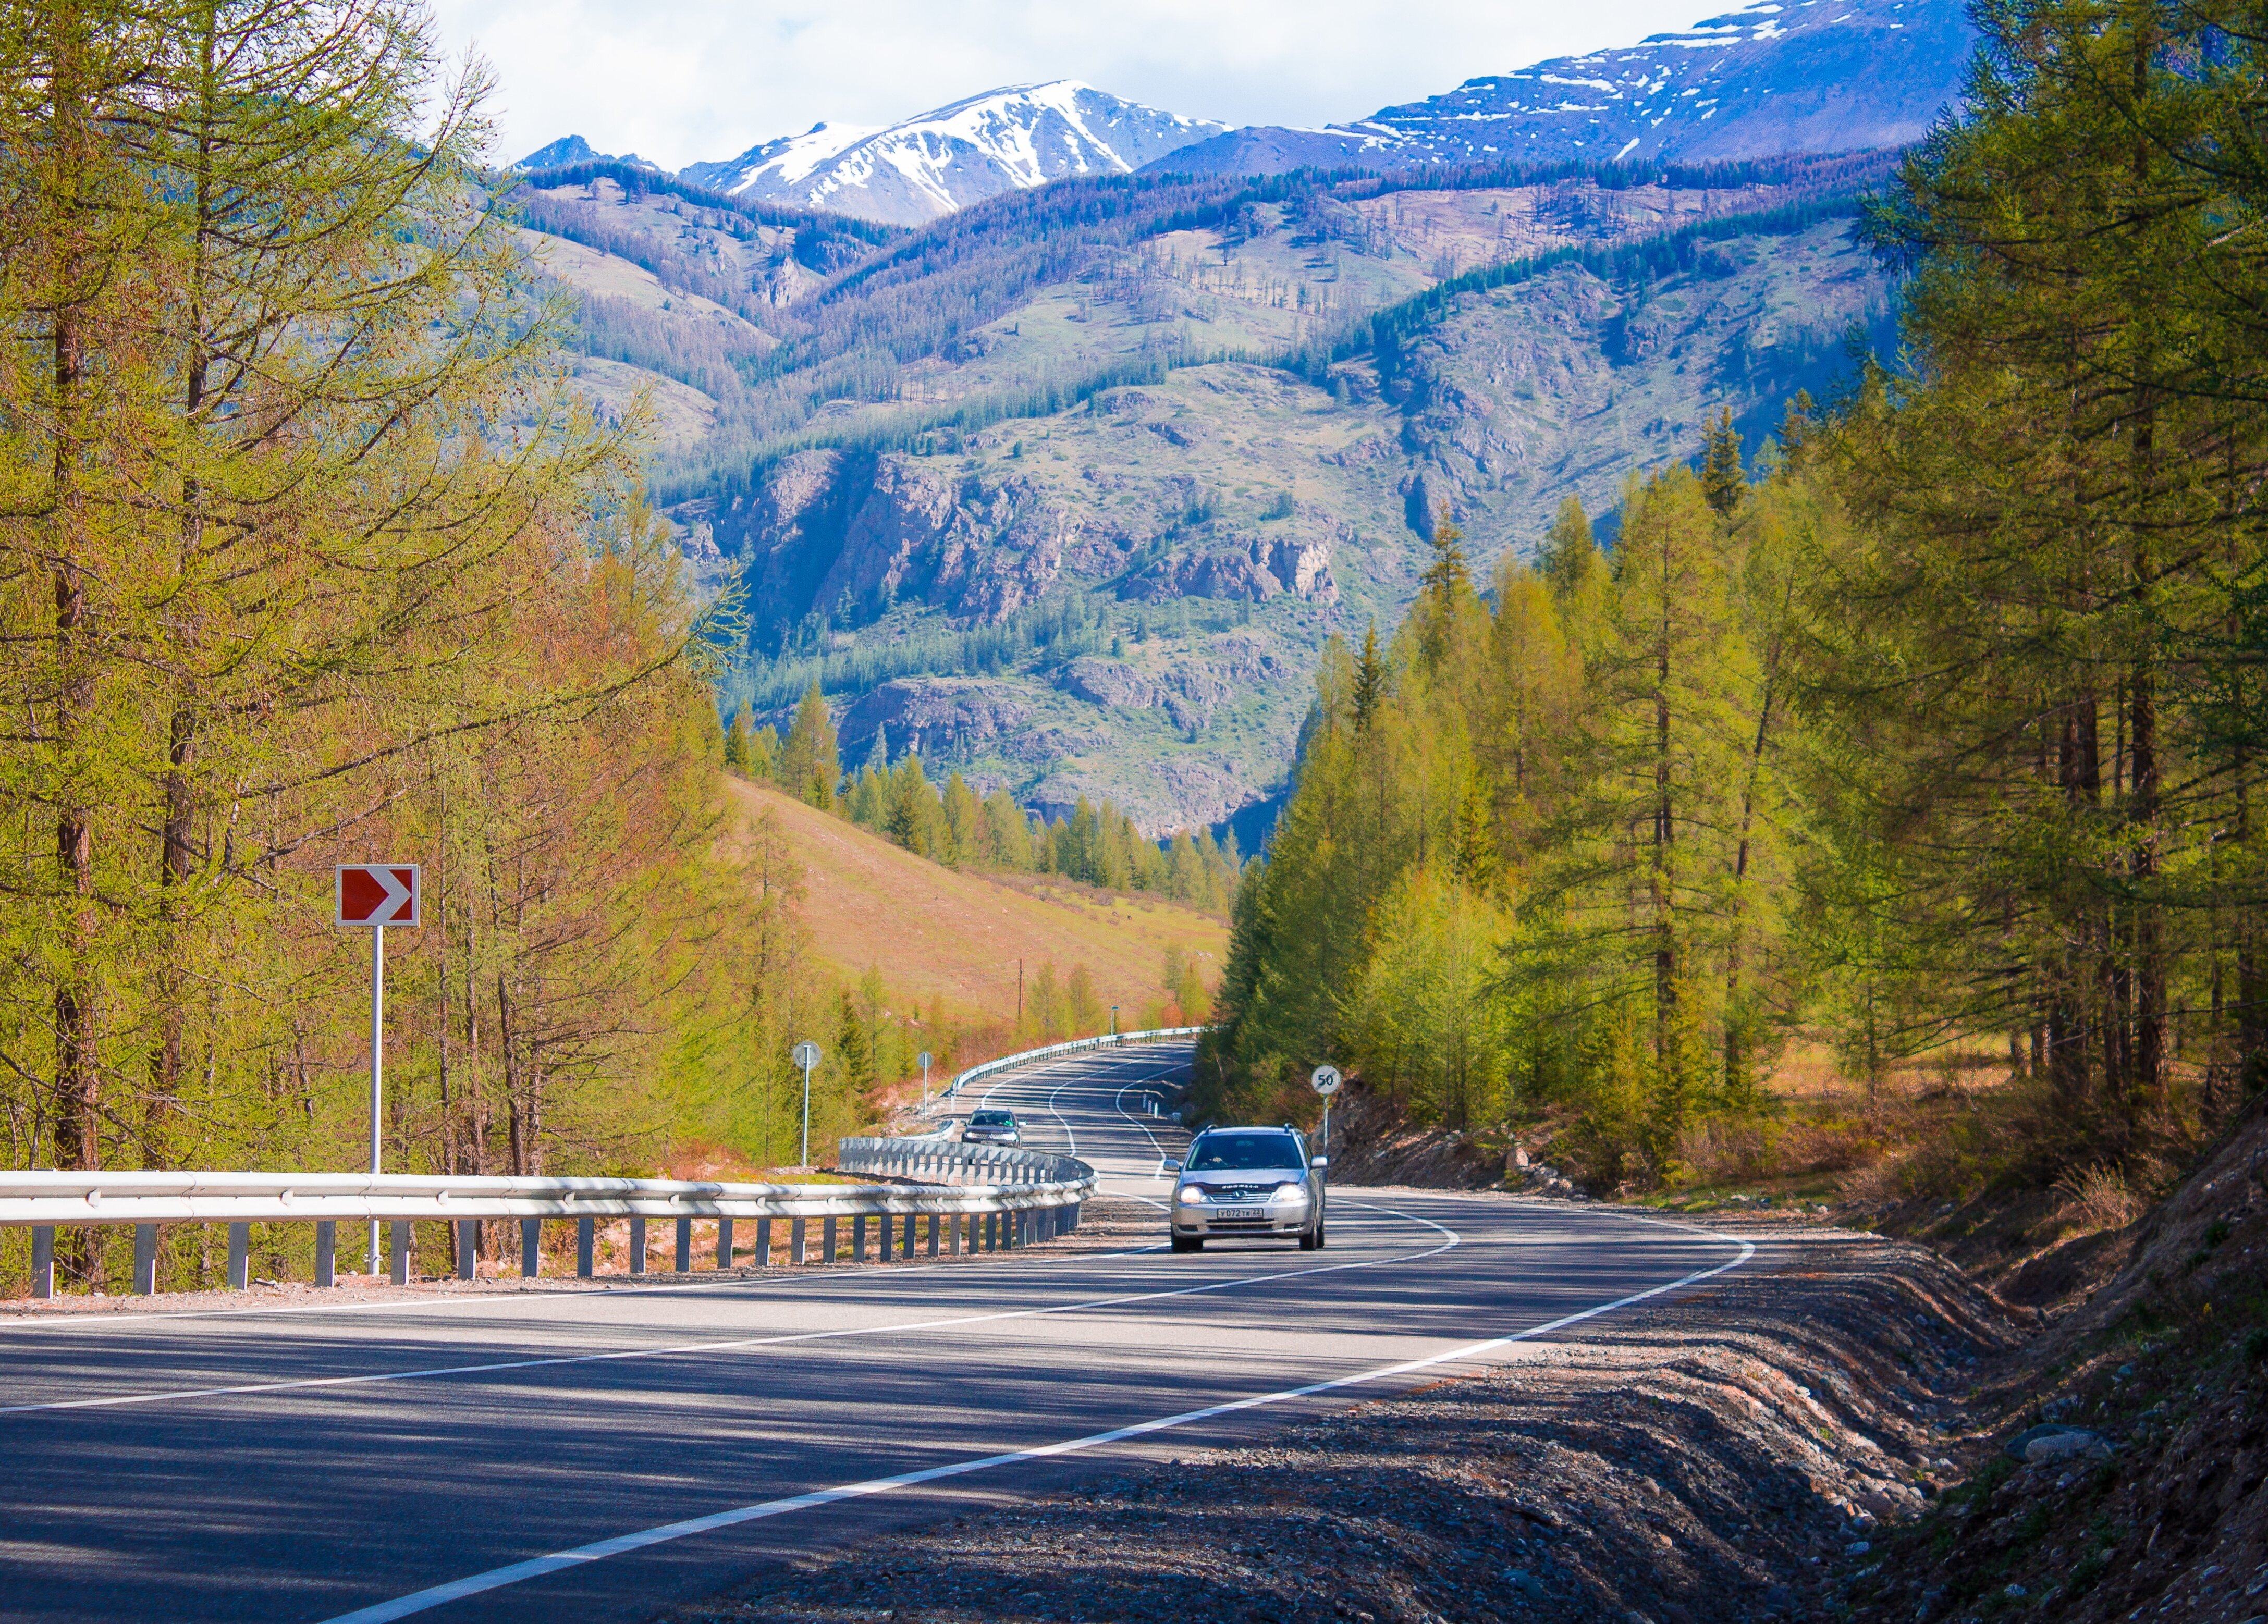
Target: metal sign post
x=1326 y=1082
x=924 y=1066
x=375 y=895
x=806 y=1055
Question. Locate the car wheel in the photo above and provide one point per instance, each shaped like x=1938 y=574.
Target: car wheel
x=1311 y=1237
x=1319 y=1234
x=1189 y=1243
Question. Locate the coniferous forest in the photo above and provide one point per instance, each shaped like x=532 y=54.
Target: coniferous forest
x=1931 y=727
x=309 y=557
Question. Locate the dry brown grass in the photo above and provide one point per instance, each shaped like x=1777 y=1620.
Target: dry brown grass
x=933 y=932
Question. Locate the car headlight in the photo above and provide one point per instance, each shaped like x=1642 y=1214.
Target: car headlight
x=1190 y=1195
x=1290 y=1194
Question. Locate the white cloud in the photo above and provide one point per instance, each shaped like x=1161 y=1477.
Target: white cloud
x=706 y=79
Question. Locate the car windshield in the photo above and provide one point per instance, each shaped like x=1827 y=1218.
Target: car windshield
x=1243 y=1152
x=991 y=1118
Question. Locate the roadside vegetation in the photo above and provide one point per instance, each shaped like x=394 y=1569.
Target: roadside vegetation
x=1925 y=741
x=309 y=555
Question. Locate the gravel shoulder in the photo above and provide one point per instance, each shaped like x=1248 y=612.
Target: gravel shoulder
x=1729 y=1454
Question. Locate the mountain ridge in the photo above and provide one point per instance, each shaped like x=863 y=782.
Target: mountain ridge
x=1012 y=137
x=1774 y=77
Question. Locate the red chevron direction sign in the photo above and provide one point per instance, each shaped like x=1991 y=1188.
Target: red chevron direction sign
x=377 y=893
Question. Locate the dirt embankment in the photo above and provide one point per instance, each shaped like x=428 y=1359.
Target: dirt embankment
x=2145 y=1494
x=1718 y=1457
x=1372 y=1143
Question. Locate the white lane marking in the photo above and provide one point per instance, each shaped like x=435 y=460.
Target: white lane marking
x=813 y=1274
x=736 y=1345
x=497 y=1578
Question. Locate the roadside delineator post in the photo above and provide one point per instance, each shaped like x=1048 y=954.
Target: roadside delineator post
x=239 y=1256
x=806 y=1055
x=327 y=1252
x=145 y=1260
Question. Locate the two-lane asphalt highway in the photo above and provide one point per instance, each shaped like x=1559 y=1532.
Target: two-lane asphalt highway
x=600 y=1455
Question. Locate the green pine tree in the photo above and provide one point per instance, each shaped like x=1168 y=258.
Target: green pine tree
x=1722 y=481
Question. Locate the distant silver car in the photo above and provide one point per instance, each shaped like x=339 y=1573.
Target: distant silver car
x=1256 y=1181
x=992 y=1127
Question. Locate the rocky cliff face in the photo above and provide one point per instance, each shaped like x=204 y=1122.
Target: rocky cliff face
x=1203 y=537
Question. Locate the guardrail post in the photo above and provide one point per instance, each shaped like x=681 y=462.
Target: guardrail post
x=638 y=1245
x=586 y=1245
x=469 y=1248
x=531 y=1248
x=724 y=1243
x=857 y=1238
x=797 y=1251
x=952 y=1235
x=145 y=1260
x=763 y=1243
x=685 y=1245
x=43 y=1260
x=401 y=1252
x=239 y=1256
x=830 y=1242
x=327 y=1252
x=907 y=1248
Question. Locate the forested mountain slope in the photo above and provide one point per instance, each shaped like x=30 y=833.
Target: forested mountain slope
x=1068 y=490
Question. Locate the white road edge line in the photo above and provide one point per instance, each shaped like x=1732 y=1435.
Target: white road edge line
x=735 y=1345
x=496 y=1578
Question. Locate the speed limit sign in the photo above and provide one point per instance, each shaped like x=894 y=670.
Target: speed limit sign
x=1326 y=1080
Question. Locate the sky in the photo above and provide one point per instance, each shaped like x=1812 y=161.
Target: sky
x=704 y=79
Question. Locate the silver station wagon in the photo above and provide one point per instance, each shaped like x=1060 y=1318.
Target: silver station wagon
x=1248 y=1181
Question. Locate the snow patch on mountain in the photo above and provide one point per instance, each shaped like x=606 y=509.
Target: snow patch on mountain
x=1019 y=137
x=1779 y=77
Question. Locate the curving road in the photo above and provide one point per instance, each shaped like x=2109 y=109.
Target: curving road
x=601 y=1455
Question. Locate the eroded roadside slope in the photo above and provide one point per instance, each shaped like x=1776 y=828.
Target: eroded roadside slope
x=1713 y=1457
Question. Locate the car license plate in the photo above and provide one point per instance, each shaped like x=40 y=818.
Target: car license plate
x=1236 y=1214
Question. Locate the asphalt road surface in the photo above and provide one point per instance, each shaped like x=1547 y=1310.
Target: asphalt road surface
x=601 y=1455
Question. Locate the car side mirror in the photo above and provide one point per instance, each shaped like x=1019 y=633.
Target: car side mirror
x=1172 y=1166
x=1320 y=1161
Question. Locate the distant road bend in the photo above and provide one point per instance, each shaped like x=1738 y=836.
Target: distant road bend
x=603 y=1455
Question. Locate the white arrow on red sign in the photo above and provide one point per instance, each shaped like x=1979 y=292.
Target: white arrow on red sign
x=377 y=893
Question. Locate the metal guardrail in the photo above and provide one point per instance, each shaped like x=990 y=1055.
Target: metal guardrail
x=1075 y=1046
x=997 y=1196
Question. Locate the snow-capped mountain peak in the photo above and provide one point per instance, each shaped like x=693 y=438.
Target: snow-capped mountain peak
x=1017 y=136
x=1776 y=76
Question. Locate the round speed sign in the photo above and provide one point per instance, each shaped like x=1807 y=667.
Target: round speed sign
x=1326 y=1080
x=806 y=1054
